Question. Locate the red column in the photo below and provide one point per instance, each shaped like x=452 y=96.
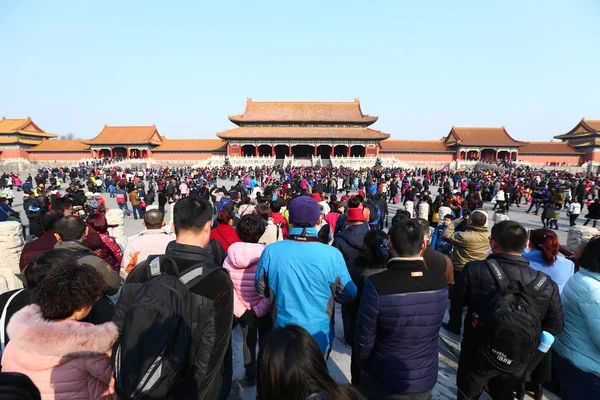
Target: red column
x=348 y=153
x=315 y=151
x=273 y=151
x=111 y=152
x=256 y=152
x=332 y=150
x=92 y=153
x=290 y=150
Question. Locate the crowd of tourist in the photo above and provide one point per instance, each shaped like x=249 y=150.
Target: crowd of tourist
x=272 y=250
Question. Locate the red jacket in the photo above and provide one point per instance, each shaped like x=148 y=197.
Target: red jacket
x=225 y=234
x=278 y=218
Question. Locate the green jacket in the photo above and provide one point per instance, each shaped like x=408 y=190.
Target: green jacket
x=470 y=245
x=87 y=256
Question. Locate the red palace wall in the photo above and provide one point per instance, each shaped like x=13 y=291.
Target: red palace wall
x=593 y=156
x=13 y=153
x=58 y=156
x=543 y=159
x=435 y=157
x=181 y=156
x=234 y=150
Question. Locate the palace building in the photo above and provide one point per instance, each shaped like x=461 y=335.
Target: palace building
x=270 y=131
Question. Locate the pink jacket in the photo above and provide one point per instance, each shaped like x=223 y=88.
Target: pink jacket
x=65 y=360
x=241 y=262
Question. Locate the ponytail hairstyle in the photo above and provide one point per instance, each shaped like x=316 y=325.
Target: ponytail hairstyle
x=224 y=216
x=546 y=241
x=376 y=248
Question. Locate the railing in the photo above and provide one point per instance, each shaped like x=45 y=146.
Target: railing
x=287 y=161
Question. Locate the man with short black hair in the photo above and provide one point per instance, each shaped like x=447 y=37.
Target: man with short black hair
x=477 y=287
x=92 y=240
x=399 y=320
x=69 y=233
x=44 y=243
x=190 y=251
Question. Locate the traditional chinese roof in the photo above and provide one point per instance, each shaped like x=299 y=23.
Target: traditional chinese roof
x=121 y=135
x=585 y=127
x=283 y=132
x=414 y=146
x=468 y=136
x=30 y=142
x=303 y=112
x=550 y=148
x=24 y=126
x=75 y=146
x=198 y=145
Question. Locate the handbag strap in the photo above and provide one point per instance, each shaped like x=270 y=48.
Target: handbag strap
x=3 y=320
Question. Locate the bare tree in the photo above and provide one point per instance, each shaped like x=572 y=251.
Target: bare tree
x=68 y=136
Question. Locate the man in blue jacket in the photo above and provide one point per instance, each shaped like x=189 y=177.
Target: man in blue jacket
x=303 y=276
x=399 y=320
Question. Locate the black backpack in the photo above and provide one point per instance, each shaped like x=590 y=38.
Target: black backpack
x=511 y=323
x=155 y=354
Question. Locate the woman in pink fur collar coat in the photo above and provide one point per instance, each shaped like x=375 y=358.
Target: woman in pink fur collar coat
x=65 y=358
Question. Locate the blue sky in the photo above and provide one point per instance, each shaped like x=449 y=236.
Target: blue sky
x=421 y=66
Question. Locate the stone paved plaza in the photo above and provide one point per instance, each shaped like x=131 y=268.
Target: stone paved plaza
x=339 y=362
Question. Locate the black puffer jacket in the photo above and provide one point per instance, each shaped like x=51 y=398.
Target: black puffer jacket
x=476 y=287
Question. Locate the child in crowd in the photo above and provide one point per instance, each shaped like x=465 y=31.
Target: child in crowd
x=437 y=241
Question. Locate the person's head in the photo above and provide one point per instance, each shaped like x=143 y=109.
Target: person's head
x=400 y=216
x=478 y=219
x=275 y=206
x=50 y=219
x=68 y=292
x=304 y=212
x=376 y=246
x=225 y=216
x=590 y=255
x=37 y=270
x=354 y=202
x=407 y=238
x=250 y=228
x=98 y=222
x=191 y=221
x=447 y=220
x=508 y=237
x=291 y=366
x=264 y=211
x=154 y=219
x=546 y=241
x=63 y=204
x=70 y=229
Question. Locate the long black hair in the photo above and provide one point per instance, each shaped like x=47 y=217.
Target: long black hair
x=292 y=367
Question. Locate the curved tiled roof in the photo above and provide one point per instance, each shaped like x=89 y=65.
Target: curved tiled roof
x=414 y=146
x=586 y=127
x=303 y=111
x=297 y=132
x=191 y=145
x=32 y=142
x=23 y=126
x=556 y=148
x=127 y=135
x=61 y=146
x=470 y=136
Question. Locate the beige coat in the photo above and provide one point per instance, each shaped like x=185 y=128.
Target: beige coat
x=470 y=245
